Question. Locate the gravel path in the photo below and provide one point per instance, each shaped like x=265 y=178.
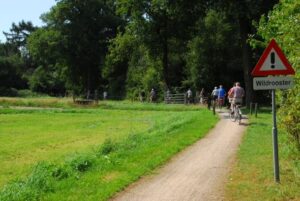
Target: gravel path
x=198 y=173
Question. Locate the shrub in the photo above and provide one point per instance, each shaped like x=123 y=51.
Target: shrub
x=39 y=181
x=82 y=163
x=290 y=117
x=9 y=92
x=60 y=173
x=17 y=191
x=107 y=147
x=28 y=93
x=41 y=177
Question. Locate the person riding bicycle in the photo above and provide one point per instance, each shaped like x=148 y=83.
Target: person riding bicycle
x=230 y=96
x=214 y=94
x=221 y=96
x=237 y=93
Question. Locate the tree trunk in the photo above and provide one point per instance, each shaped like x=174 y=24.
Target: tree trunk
x=246 y=58
x=165 y=49
x=88 y=88
x=165 y=63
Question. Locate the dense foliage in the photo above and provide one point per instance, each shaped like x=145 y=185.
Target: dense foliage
x=283 y=24
x=126 y=47
x=210 y=50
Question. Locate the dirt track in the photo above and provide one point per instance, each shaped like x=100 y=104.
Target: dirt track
x=197 y=173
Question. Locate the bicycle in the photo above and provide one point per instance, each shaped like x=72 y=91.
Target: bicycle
x=236 y=114
x=220 y=103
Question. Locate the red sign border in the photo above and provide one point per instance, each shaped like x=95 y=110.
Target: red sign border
x=257 y=72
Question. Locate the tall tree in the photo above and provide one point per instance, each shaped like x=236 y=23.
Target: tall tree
x=117 y=62
x=162 y=26
x=49 y=76
x=85 y=26
x=19 y=33
x=14 y=59
x=246 y=12
x=212 y=53
x=11 y=74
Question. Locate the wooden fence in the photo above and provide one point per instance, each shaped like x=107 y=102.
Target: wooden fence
x=179 y=98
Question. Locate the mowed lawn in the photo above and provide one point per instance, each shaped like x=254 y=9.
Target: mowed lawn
x=68 y=152
x=29 y=136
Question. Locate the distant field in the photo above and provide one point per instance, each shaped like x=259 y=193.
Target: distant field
x=57 y=136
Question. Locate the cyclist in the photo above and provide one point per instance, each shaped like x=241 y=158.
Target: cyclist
x=214 y=94
x=230 y=96
x=221 y=96
x=237 y=93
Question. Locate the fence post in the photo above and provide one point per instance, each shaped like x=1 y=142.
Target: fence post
x=96 y=96
x=256 y=110
x=250 y=108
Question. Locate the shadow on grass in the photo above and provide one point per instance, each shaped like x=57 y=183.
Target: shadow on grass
x=259 y=124
x=261 y=110
x=245 y=124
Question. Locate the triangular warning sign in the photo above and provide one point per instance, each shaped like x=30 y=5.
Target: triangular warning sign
x=273 y=62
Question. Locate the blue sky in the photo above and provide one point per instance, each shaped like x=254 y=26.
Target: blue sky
x=17 y=10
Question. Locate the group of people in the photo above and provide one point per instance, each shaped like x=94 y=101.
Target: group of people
x=235 y=95
x=218 y=94
x=152 y=96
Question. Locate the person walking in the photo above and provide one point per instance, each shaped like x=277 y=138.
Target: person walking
x=201 y=95
x=152 y=96
x=168 y=96
x=104 y=95
x=189 y=96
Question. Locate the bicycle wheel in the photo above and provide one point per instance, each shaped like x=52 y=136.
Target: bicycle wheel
x=231 y=115
x=221 y=103
x=235 y=115
x=240 y=116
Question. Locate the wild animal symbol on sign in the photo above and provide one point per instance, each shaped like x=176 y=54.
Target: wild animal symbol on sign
x=273 y=62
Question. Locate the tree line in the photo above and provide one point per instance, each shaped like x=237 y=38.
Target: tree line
x=128 y=46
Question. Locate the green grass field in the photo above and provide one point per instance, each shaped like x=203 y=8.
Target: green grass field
x=253 y=177
x=89 y=153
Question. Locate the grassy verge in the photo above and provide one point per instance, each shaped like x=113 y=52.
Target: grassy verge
x=67 y=103
x=252 y=177
x=36 y=102
x=136 y=143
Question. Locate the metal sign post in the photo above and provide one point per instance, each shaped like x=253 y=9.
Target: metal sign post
x=273 y=63
x=275 y=140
